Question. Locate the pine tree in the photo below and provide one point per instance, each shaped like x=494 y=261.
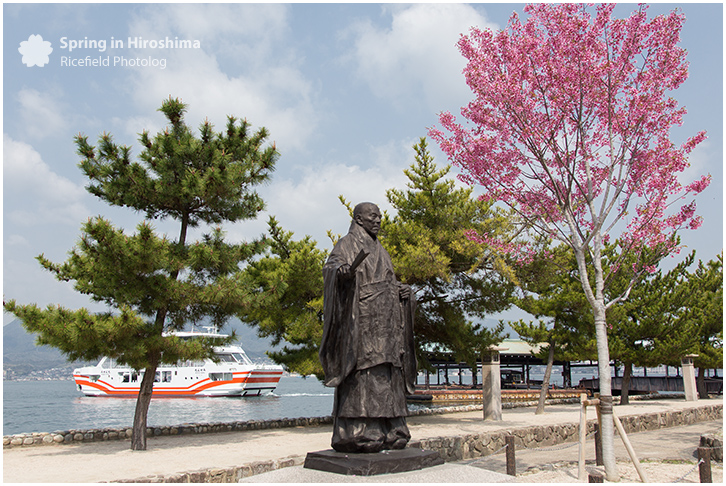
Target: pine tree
x=151 y=283
x=288 y=299
x=550 y=290
x=429 y=249
x=702 y=296
x=646 y=330
x=455 y=279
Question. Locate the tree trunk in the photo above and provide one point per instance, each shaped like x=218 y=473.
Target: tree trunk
x=607 y=424
x=596 y=298
x=138 y=437
x=701 y=383
x=625 y=388
x=546 y=379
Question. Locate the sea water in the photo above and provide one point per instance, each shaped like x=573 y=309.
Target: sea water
x=48 y=406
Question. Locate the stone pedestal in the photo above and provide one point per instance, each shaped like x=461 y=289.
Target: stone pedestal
x=689 y=377
x=491 y=381
x=362 y=464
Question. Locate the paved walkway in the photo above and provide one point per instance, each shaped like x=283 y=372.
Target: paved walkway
x=673 y=444
x=167 y=455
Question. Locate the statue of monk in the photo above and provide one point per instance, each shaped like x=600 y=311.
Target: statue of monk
x=367 y=350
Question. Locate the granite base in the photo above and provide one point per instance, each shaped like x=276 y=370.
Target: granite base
x=370 y=464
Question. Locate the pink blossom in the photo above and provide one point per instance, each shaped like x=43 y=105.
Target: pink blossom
x=569 y=123
x=699 y=185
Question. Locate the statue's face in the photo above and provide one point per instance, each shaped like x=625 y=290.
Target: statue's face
x=370 y=219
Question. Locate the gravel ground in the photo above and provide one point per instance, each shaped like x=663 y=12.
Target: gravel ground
x=656 y=472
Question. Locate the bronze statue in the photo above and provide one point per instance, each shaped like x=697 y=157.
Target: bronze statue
x=367 y=350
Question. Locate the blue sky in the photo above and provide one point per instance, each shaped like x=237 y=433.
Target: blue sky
x=344 y=89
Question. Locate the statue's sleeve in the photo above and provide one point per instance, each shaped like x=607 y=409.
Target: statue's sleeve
x=337 y=353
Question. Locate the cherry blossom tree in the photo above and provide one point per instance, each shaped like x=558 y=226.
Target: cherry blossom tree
x=569 y=126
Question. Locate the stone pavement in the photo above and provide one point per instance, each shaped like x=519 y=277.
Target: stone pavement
x=168 y=456
x=672 y=444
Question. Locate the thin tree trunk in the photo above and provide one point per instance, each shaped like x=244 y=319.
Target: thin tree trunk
x=546 y=379
x=625 y=388
x=596 y=297
x=607 y=424
x=701 y=383
x=138 y=437
x=141 y=413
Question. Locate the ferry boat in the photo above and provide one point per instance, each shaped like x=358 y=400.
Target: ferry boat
x=234 y=375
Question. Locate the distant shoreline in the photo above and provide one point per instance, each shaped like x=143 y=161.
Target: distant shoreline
x=38 y=379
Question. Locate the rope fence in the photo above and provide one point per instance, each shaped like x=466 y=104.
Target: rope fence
x=689 y=472
x=703 y=464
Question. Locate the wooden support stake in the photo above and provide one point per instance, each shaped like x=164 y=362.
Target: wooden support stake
x=598 y=447
x=583 y=436
x=704 y=466
x=511 y=460
x=598 y=436
x=629 y=448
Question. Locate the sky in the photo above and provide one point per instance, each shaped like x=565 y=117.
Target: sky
x=345 y=91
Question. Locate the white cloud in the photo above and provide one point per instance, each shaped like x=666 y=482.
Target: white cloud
x=309 y=205
x=41 y=113
x=39 y=195
x=215 y=22
x=16 y=240
x=416 y=57
x=243 y=68
x=701 y=161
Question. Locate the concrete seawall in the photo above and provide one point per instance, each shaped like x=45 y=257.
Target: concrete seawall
x=477 y=445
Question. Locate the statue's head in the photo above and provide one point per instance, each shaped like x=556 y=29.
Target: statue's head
x=367 y=215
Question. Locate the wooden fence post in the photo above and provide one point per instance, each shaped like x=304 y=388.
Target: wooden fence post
x=511 y=460
x=595 y=478
x=704 y=464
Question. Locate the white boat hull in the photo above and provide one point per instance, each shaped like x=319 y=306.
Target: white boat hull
x=235 y=375
x=246 y=383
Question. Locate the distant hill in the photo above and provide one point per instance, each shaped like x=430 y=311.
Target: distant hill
x=21 y=356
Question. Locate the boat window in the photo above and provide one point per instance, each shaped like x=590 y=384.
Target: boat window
x=226 y=358
x=220 y=376
x=241 y=358
x=134 y=377
x=107 y=362
x=166 y=376
x=190 y=364
x=125 y=377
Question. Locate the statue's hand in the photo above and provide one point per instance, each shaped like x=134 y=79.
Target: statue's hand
x=404 y=291
x=344 y=272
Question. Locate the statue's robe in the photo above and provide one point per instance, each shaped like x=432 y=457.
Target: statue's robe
x=367 y=350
